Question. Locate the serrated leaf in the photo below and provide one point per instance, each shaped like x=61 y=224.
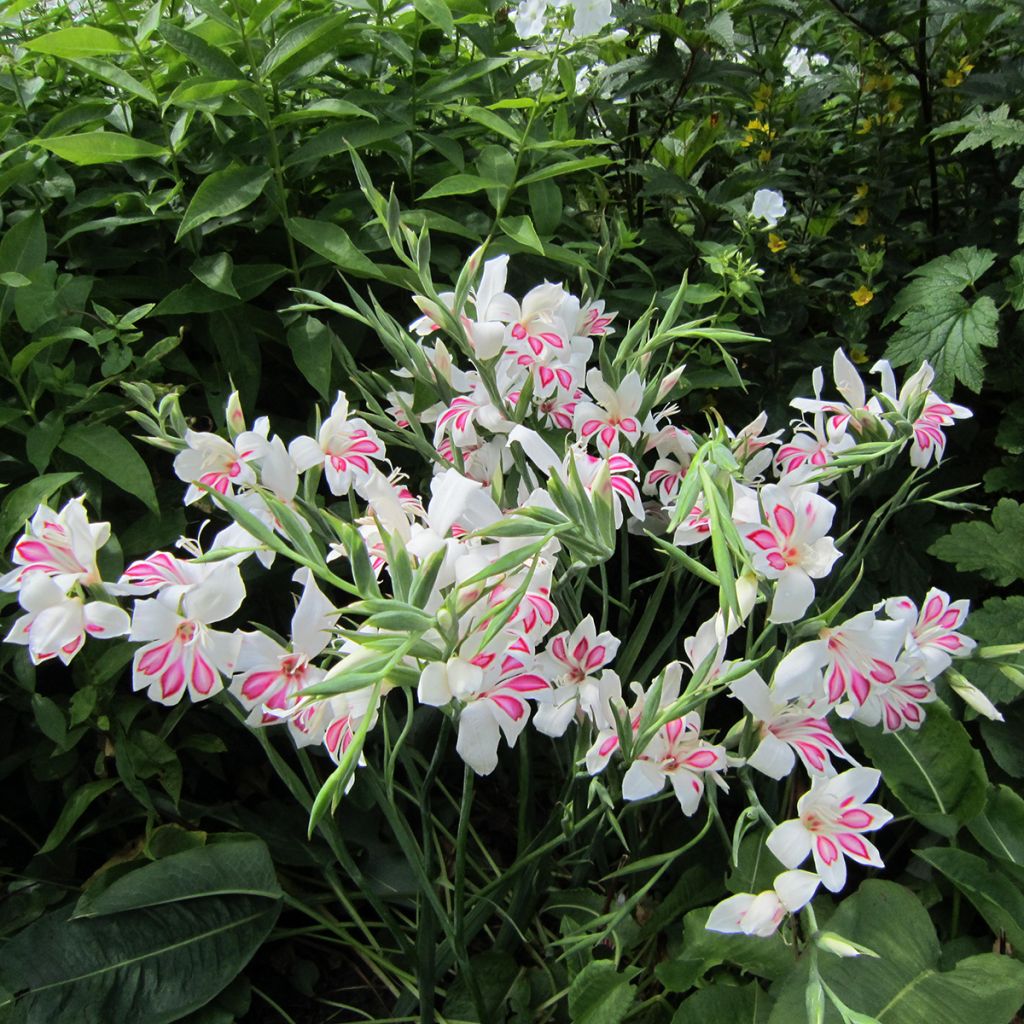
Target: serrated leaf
x=223 y=193
x=110 y=454
x=995 y=550
x=75 y=42
x=599 y=994
x=955 y=271
x=983 y=128
x=950 y=333
x=87 y=148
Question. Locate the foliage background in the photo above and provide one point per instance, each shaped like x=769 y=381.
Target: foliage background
x=172 y=173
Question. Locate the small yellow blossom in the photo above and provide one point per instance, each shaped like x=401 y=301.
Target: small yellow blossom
x=764 y=156
x=862 y=191
x=860 y=217
x=895 y=104
x=879 y=240
x=862 y=296
x=775 y=242
x=755 y=125
x=955 y=76
x=878 y=83
x=864 y=125
x=794 y=276
x=859 y=354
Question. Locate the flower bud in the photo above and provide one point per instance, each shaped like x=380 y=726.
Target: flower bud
x=668 y=383
x=838 y=946
x=234 y=415
x=972 y=696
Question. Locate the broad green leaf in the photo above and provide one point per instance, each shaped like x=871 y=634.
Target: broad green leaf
x=204 y=93
x=223 y=193
x=521 y=230
x=311 y=344
x=459 y=185
x=1000 y=826
x=239 y=349
x=984 y=127
x=437 y=13
x=304 y=42
x=934 y=771
x=88 y=148
x=207 y=58
x=333 y=243
x=950 y=333
x=1003 y=738
x=1000 y=620
x=600 y=994
x=154 y=964
x=996 y=551
x=936 y=279
x=726 y=1003
x=904 y=984
x=331 y=107
x=20 y=504
x=233 y=866
x=79 y=41
x=74 y=807
x=216 y=272
x=993 y=892
x=108 y=452
x=584 y=163
x=42 y=438
x=112 y=74
x=22 y=251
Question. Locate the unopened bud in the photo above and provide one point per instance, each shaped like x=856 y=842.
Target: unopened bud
x=838 y=946
x=234 y=415
x=973 y=697
x=668 y=383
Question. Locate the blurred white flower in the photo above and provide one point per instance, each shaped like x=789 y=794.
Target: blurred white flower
x=768 y=205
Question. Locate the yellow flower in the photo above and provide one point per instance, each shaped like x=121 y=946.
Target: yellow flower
x=862 y=191
x=879 y=240
x=895 y=104
x=859 y=354
x=952 y=78
x=864 y=125
x=794 y=276
x=775 y=243
x=862 y=296
x=754 y=125
x=860 y=217
x=880 y=83
x=764 y=156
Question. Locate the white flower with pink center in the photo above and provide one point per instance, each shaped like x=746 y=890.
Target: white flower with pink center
x=897 y=704
x=791 y=546
x=678 y=755
x=788 y=731
x=675 y=448
x=810 y=448
x=833 y=818
x=343 y=446
x=612 y=480
x=465 y=413
x=753 y=448
x=933 y=635
x=854 y=411
x=270 y=677
x=58 y=544
x=182 y=653
x=615 y=415
x=56 y=625
x=761 y=914
x=571 y=662
x=222 y=465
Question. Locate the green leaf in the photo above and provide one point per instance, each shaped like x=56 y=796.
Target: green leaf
x=599 y=994
x=585 y=163
x=1000 y=826
x=725 y=1003
x=207 y=58
x=935 y=772
x=112 y=74
x=153 y=964
x=437 y=13
x=236 y=865
x=521 y=230
x=22 y=251
x=996 y=551
x=20 y=505
x=303 y=42
x=311 y=344
x=239 y=350
x=110 y=454
x=983 y=128
x=903 y=985
x=79 y=41
x=333 y=243
x=99 y=148
x=950 y=333
x=994 y=894
x=216 y=272
x=223 y=193
x=76 y=805
x=459 y=185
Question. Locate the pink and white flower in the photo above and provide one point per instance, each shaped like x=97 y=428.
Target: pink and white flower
x=615 y=416
x=222 y=465
x=571 y=662
x=343 y=446
x=58 y=544
x=678 y=755
x=761 y=914
x=932 y=634
x=791 y=546
x=182 y=653
x=833 y=818
x=55 y=625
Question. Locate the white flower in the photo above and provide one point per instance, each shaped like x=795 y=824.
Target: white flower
x=762 y=914
x=768 y=206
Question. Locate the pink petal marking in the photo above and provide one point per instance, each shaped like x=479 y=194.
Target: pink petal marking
x=776 y=561
x=257 y=684
x=951 y=642
x=203 y=676
x=558 y=649
x=564 y=378
x=950 y=620
x=608 y=746
x=859 y=686
x=853 y=845
x=892 y=718
x=512 y=706
x=883 y=672
x=154 y=660
x=702 y=759
x=933 y=609
x=32 y=550
x=764 y=539
x=856 y=818
x=811 y=754
x=173 y=678
x=827 y=850
x=527 y=683
x=597 y=656
x=579 y=652
x=785 y=519
x=836 y=684
x=673 y=729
